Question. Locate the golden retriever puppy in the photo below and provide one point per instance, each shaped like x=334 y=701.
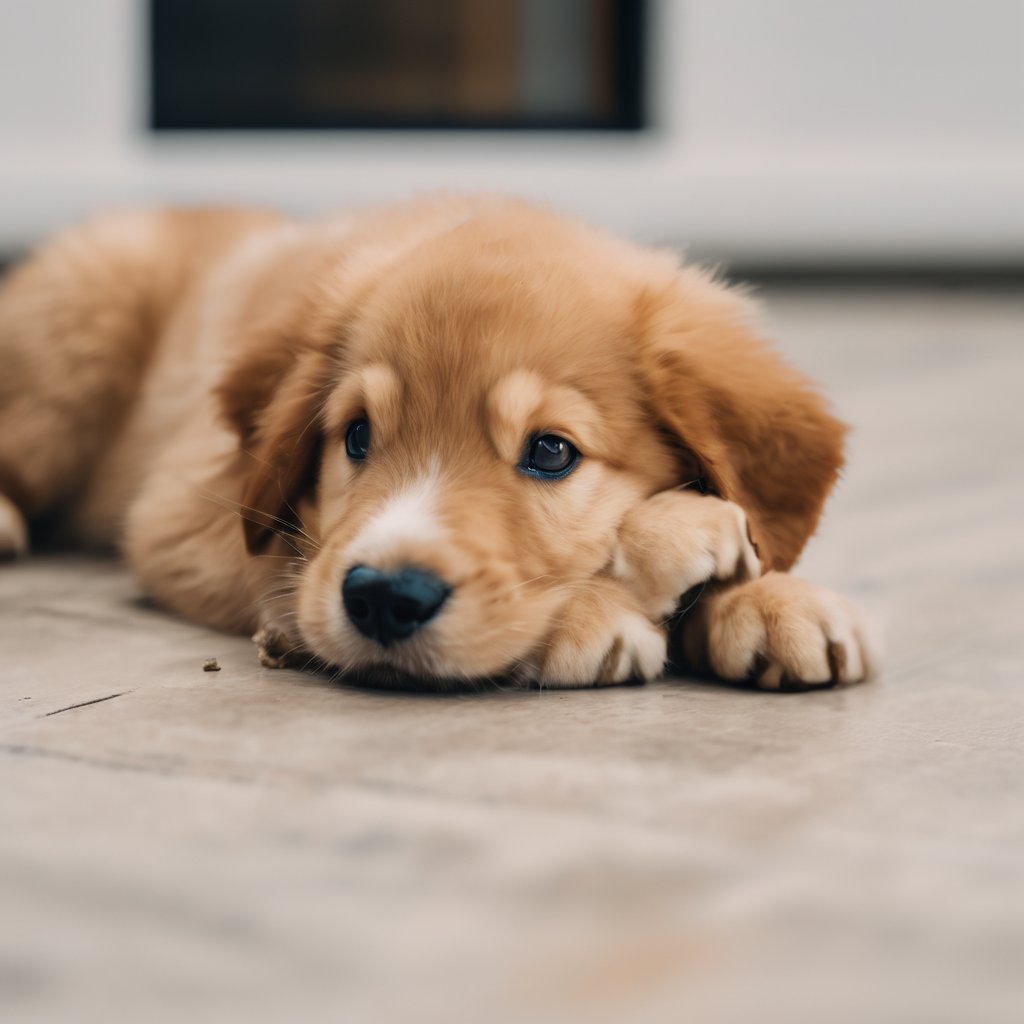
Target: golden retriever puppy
x=458 y=440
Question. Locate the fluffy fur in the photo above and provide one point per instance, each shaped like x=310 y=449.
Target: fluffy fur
x=179 y=384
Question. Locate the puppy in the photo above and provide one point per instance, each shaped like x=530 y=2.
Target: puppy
x=431 y=445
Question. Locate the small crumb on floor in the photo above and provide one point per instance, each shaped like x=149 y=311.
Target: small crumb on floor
x=210 y=665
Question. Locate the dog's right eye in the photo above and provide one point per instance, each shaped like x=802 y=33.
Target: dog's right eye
x=357 y=440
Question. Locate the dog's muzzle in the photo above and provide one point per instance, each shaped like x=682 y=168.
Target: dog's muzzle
x=391 y=606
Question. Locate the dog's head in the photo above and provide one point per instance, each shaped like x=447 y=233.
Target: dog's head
x=458 y=423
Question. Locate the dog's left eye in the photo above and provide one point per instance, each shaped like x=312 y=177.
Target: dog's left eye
x=551 y=456
x=357 y=440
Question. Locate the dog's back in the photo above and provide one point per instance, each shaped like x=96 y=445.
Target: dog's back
x=78 y=326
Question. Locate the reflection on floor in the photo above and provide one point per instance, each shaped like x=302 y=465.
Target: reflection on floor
x=259 y=846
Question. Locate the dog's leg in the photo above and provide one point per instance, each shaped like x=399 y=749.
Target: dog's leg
x=278 y=644
x=603 y=636
x=13 y=532
x=780 y=631
x=77 y=323
x=678 y=539
x=783 y=632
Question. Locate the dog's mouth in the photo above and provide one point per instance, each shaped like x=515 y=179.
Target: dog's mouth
x=388 y=677
x=278 y=651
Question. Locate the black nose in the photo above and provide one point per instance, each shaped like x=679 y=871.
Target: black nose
x=389 y=606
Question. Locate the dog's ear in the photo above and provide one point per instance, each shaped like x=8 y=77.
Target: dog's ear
x=274 y=398
x=761 y=433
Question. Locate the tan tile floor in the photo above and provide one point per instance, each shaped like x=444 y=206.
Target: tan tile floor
x=262 y=846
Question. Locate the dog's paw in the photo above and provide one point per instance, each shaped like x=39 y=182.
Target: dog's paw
x=13 y=531
x=603 y=637
x=277 y=650
x=677 y=539
x=784 y=633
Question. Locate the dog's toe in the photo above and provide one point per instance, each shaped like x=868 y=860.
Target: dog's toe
x=787 y=634
x=276 y=650
x=603 y=638
x=633 y=649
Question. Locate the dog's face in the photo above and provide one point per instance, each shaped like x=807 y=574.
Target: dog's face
x=487 y=412
x=481 y=446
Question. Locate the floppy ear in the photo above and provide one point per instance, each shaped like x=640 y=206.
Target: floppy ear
x=762 y=434
x=274 y=399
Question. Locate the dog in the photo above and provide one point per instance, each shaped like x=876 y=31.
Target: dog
x=456 y=441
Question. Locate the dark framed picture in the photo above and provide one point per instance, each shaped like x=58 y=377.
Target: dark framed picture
x=517 y=64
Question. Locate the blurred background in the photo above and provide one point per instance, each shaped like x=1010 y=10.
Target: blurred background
x=762 y=132
x=258 y=846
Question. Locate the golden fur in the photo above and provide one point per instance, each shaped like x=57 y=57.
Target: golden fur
x=179 y=383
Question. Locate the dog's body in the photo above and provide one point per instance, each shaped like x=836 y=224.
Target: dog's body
x=440 y=442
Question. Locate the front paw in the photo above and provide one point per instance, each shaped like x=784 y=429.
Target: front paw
x=678 y=539
x=603 y=637
x=781 y=632
x=276 y=649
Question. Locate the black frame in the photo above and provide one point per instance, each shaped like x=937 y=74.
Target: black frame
x=261 y=25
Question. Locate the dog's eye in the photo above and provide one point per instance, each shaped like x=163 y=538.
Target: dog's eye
x=551 y=456
x=357 y=440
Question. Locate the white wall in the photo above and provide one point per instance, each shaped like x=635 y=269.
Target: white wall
x=785 y=130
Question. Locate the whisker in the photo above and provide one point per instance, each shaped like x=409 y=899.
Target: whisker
x=278 y=592
x=534 y=580
x=238 y=508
